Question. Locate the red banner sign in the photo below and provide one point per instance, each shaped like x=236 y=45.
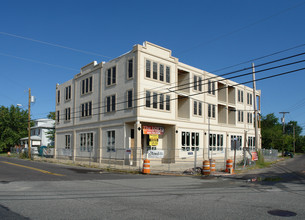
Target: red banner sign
x=254 y=156
x=153 y=130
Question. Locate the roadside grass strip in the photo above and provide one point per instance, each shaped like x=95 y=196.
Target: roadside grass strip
x=33 y=168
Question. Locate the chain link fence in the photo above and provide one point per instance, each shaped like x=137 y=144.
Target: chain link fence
x=270 y=154
x=181 y=161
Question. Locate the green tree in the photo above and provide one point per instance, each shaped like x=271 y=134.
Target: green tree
x=51 y=132
x=13 y=126
x=273 y=137
x=271 y=132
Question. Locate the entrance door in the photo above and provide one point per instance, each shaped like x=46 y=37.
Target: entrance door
x=132 y=144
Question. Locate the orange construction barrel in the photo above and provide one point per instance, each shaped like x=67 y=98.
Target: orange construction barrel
x=213 y=165
x=229 y=166
x=146 y=166
x=206 y=167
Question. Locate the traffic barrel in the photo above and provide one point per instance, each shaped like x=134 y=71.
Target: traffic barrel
x=146 y=166
x=229 y=166
x=212 y=165
x=206 y=167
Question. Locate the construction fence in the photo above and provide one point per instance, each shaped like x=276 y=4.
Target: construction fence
x=160 y=160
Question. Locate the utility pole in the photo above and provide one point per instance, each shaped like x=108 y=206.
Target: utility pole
x=29 y=124
x=293 y=138
x=255 y=109
x=283 y=123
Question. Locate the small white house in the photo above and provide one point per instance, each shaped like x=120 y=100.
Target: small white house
x=39 y=136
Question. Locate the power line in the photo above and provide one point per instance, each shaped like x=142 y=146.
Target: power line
x=36 y=61
x=259 y=58
x=190 y=85
x=245 y=27
x=53 y=44
x=260 y=79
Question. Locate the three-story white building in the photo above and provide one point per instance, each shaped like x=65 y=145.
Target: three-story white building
x=146 y=103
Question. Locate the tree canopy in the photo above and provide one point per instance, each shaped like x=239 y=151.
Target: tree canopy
x=13 y=126
x=51 y=132
x=273 y=136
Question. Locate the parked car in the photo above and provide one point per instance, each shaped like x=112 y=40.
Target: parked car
x=288 y=154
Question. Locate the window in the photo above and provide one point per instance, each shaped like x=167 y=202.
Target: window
x=148 y=99
x=238 y=143
x=195 y=82
x=240 y=96
x=249 y=118
x=86 y=109
x=155 y=96
x=67 y=141
x=110 y=140
x=68 y=93
x=216 y=142
x=148 y=68
x=249 y=98
x=161 y=102
x=161 y=72
x=155 y=70
x=195 y=139
x=251 y=143
x=86 y=85
x=240 y=116
x=57 y=116
x=111 y=76
x=168 y=74
x=211 y=87
x=58 y=96
x=130 y=69
x=68 y=114
x=110 y=103
x=219 y=142
x=211 y=111
x=200 y=83
x=197 y=108
x=190 y=139
x=86 y=142
x=129 y=99
x=167 y=102
x=155 y=100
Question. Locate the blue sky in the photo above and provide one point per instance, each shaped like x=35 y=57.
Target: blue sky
x=209 y=35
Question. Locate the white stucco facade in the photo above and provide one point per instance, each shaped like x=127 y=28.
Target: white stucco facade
x=107 y=110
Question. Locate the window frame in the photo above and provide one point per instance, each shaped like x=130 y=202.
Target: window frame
x=130 y=68
x=110 y=101
x=87 y=85
x=67 y=141
x=129 y=97
x=67 y=114
x=111 y=76
x=86 y=109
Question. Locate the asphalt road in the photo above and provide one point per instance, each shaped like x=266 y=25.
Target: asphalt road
x=34 y=190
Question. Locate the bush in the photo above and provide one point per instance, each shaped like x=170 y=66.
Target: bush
x=23 y=155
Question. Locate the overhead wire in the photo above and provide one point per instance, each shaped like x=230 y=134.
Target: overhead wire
x=190 y=95
x=190 y=85
x=53 y=44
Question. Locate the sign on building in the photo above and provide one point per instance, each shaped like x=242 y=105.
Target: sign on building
x=153 y=139
x=155 y=154
x=153 y=130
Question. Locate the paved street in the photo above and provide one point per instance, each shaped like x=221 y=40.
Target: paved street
x=34 y=190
